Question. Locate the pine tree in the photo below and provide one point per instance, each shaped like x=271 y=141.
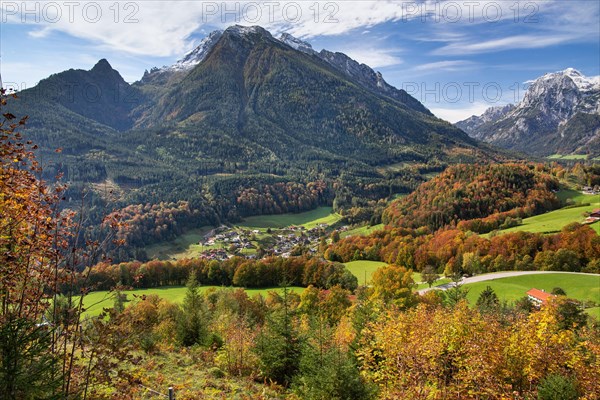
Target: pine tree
x=192 y=323
x=488 y=300
x=278 y=345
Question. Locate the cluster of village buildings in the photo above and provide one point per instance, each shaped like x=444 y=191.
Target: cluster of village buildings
x=225 y=242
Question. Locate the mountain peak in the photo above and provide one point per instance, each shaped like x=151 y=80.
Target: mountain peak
x=102 y=65
x=241 y=30
x=559 y=113
x=250 y=35
x=582 y=82
x=199 y=53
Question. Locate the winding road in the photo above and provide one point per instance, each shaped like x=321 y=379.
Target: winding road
x=499 y=275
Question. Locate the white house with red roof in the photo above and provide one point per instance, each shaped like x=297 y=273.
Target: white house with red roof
x=538 y=297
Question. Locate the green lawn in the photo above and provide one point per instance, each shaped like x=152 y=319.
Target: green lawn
x=363 y=269
x=94 y=302
x=578 y=286
x=185 y=246
x=554 y=221
x=308 y=219
x=568 y=157
x=362 y=230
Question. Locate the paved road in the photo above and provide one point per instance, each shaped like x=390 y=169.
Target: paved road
x=497 y=275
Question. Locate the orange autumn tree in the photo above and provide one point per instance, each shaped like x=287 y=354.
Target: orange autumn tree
x=40 y=257
x=31 y=237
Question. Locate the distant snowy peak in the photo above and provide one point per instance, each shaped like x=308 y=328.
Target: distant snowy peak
x=559 y=113
x=497 y=112
x=563 y=92
x=196 y=56
x=296 y=43
x=582 y=82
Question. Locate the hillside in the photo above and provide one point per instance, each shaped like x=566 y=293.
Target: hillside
x=465 y=195
x=246 y=124
x=268 y=101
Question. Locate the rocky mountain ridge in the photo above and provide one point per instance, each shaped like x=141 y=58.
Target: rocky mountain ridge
x=559 y=114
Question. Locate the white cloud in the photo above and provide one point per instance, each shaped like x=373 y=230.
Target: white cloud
x=451 y=65
x=373 y=57
x=507 y=43
x=163 y=28
x=454 y=115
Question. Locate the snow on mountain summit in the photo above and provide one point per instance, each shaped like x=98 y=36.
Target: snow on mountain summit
x=199 y=53
x=583 y=83
x=559 y=113
x=296 y=43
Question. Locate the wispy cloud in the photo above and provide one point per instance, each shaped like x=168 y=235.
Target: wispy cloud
x=162 y=28
x=374 y=57
x=451 y=65
x=507 y=43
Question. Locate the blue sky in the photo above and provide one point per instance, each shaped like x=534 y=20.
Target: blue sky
x=457 y=57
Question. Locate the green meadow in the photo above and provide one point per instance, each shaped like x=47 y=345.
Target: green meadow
x=554 y=221
x=364 y=269
x=568 y=157
x=583 y=287
x=308 y=219
x=362 y=230
x=94 y=302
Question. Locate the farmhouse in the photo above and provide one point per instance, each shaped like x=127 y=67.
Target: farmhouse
x=594 y=216
x=538 y=297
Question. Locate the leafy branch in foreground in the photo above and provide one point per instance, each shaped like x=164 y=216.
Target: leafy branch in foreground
x=42 y=251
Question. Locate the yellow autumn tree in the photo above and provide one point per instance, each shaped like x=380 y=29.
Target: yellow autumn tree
x=393 y=284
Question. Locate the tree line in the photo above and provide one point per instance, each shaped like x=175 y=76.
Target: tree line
x=471 y=194
x=576 y=248
x=236 y=271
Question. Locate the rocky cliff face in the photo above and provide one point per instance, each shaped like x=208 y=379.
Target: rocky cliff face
x=558 y=114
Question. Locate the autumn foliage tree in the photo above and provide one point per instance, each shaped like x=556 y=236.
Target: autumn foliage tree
x=31 y=236
x=40 y=255
x=430 y=352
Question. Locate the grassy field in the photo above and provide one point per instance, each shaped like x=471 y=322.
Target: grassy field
x=363 y=269
x=578 y=286
x=362 y=230
x=424 y=285
x=94 y=302
x=568 y=157
x=308 y=219
x=554 y=221
x=185 y=246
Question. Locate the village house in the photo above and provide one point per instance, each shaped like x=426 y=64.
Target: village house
x=538 y=297
x=593 y=217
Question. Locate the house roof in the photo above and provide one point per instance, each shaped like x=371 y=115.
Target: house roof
x=539 y=294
